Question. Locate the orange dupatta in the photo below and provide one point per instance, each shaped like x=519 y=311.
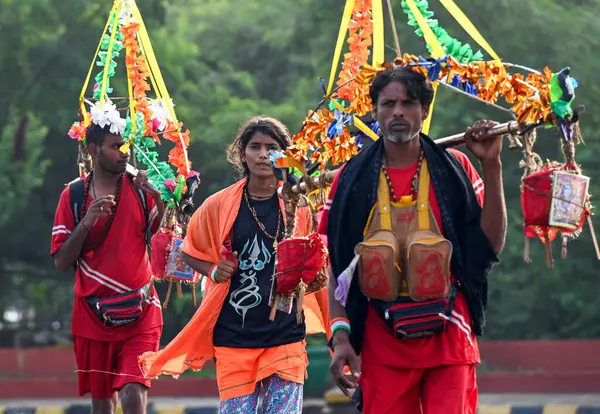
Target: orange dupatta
x=208 y=229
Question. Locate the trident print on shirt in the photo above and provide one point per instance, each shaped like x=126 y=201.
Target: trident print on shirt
x=253 y=259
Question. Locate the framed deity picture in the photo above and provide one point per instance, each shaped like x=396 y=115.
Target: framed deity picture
x=569 y=196
x=176 y=268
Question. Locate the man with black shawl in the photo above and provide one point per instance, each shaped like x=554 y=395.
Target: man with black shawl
x=411 y=249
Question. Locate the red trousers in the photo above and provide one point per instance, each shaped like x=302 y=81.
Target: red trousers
x=105 y=367
x=450 y=389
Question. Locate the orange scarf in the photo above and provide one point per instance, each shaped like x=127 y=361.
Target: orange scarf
x=208 y=229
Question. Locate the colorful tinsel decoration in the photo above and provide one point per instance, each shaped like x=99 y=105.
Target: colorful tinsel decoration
x=153 y=116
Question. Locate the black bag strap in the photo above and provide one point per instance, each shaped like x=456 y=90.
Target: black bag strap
x=76 y=189
x=142 y=197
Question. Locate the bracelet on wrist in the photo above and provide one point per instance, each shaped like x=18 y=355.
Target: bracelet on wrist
x=340 y=324
x=213 y=273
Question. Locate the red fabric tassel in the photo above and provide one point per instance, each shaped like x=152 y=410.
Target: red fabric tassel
x=526 y=248
x=300 y=304
x=274 y=309
x=549 y=258
x=594 y=240
x=166 y=302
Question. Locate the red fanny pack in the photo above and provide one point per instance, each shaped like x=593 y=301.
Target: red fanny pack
x=411 y=319
x=121 y=309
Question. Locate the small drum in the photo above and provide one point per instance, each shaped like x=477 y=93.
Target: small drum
x=301 y=268
x=554 y=199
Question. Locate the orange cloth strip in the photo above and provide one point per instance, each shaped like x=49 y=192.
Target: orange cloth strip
x=239 y=369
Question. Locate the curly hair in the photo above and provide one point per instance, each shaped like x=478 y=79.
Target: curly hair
x=264 y=124
x=417 y=86
x=95 y=134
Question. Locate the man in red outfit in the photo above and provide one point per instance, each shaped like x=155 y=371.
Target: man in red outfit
x=410 y=249
x=116 y=314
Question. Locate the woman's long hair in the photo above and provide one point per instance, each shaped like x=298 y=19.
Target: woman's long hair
x=264 y=124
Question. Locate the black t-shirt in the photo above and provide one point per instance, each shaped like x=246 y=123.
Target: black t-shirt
x=244 y=319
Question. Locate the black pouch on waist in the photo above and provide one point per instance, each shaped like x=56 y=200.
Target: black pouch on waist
x=121 y=309
x=410 y=319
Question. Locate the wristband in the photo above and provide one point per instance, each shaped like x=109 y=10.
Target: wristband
x=213 y=273
x=340 y=324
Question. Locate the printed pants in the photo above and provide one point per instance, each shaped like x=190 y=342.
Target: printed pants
x=281 y=396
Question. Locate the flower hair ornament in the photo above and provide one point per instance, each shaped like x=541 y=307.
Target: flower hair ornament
x=105 y=115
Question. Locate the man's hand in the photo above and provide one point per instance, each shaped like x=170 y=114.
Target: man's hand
x=226 y=269
x=141 y=180
x=343 y=354
x=486 y=149
x=99 y=208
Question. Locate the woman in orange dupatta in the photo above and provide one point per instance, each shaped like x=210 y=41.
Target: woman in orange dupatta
x=230 y=238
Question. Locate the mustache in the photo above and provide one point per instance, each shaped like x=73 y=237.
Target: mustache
x=400 y=122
